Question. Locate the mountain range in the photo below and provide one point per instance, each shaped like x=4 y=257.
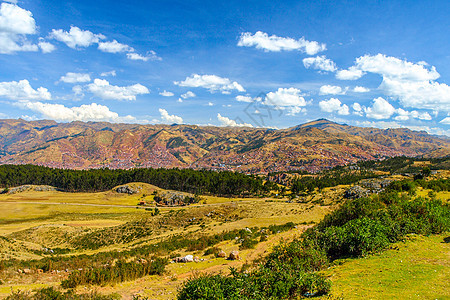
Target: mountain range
x=313 y=146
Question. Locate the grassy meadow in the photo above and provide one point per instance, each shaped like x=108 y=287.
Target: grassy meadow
x=57 y=234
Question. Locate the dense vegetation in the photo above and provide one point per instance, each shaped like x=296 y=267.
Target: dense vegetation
x=337 y=176
x=197 y=182
x=119 y=272
x=403 y=164
x=359 y=227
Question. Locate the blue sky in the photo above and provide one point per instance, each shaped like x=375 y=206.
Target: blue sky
x=228 y=63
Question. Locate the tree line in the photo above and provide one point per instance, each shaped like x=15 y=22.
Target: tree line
x=223 y=183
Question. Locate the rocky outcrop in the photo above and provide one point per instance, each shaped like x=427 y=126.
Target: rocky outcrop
x=25 y=188
x=234 y=255
x=126 y=189
x=356 y=192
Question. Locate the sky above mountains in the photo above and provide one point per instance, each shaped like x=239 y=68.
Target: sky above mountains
x=227 y=63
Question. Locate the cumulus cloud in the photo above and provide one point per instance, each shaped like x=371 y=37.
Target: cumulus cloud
x=262 y=40
x=332 y=90
x=166 y=94
x=358 y=109
x=151 y=55
x=110 y=73
x=188 y=95
x=380 y=109
x=211 y=82
x=46 y=47
x=86 y=112
x=15 y=24
x=76 y=38
x=290 y=99
x=227 y=122
x=285 y=97
x=351 y=74
x=419 y=94
x=445 y=121
x=334 y=105
x=360 y=89
x=404 y=115
x=320 y=63
x=394 y=68
x=413 y=84
x=101 y=88
x=170 y=118
x=114 y=47
x=241 y=98
x=22 y=90
x=75 y=77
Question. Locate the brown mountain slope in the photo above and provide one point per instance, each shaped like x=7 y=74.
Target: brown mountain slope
x=313 y=146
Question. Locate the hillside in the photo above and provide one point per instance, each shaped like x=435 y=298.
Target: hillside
x=312 y=146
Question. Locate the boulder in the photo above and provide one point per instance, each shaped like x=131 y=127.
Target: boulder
x=221 y=254
x=356 y=192
x=234 y=255
x=188 y=258
x=126 y=189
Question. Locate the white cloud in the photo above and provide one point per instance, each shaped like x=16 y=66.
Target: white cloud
x=320 y=63
x=78 y=90
x=211 y=82
x=15 y=24
x=101 y=88
x=76 y=37
x=241 y=98
x=357 y=109
x=285 y=97
x=360 y=89
x=170 y=118
x=110 y=73
x=351 y=74
x=445 y=121
x=385 y=125
x=419 y=94
x=404 y=115
x=114 y=47
x=22 y=90
x=332 y=90
x=75 y=77
x=413 y=84
x=210 y=104
x=262 y=40
x=289 y=99
x=166 y=93
x=46 y=47
x=188 y=95
x=58 y=112
x=394 y=68
x=334 y=105
x=151 y=55
x=380 y=109
x=227 y=122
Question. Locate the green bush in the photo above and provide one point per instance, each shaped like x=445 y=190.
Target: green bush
x=121 y=271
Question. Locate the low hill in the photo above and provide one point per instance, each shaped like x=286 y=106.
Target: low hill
x=312 y=146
